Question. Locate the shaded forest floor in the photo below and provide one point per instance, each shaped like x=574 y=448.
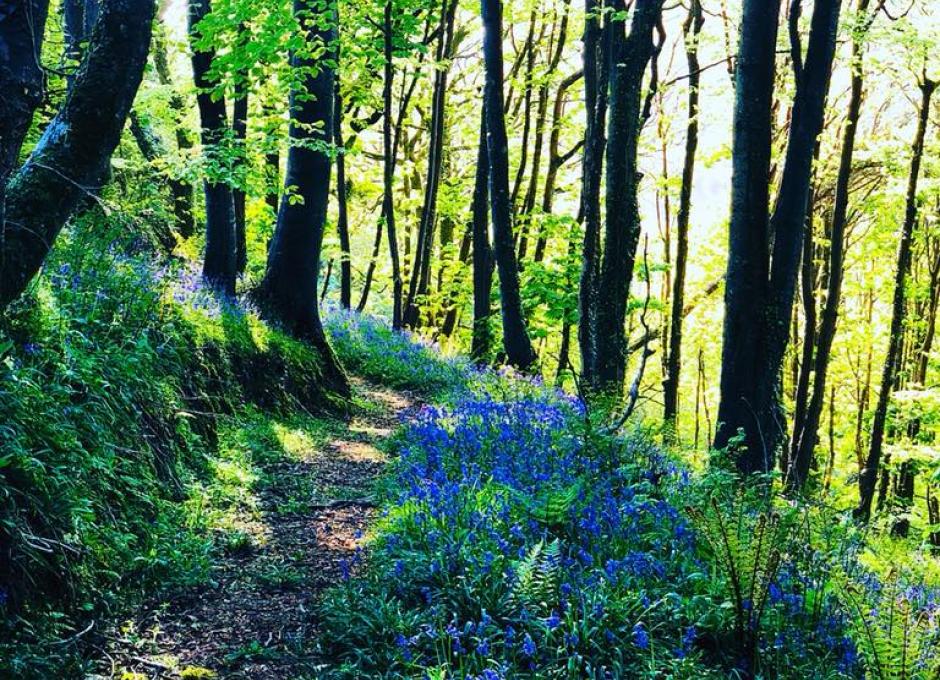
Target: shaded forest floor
x=300 y=533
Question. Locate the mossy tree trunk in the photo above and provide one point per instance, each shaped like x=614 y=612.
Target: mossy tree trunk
x=72 y=158
x=288 y=293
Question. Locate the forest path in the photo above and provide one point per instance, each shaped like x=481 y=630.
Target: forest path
x=255 y=618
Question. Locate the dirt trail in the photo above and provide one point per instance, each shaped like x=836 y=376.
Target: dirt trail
x=255 y=619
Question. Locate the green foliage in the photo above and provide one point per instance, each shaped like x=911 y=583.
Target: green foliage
x=747 y=540
x=538 y=577
x=898 y=640
x=115 y=375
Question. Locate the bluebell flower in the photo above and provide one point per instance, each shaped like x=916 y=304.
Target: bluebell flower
x=528 y=645
x=640 y=637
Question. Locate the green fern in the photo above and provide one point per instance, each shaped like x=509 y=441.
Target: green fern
x=538 y=577
x=748 y=550
x=895 y=641
x=553 y=507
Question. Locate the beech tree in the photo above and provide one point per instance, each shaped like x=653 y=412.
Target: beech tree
x=761 y=275
x=605 y=320
x=288 y=293
x=516 y=341
x=72 y=158
x=869 y=476
x=221 y=264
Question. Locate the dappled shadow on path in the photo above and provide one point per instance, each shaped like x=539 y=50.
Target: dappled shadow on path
x=302 y=530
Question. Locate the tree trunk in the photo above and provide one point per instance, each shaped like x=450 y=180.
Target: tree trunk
x=758 y=296
x=388 y=200
x=219 y=268
x=181 y=189
x=869 y=475
x=692 y=30
x=630 y=56
x=73 y=155
x=21 y=81
x=556 y=159
x=342 y=221
x=483 y=262
x=516 y=342
x=420 y=273
x=805 y=433
x=595 y=101
x=288 y=293
x=240 y=130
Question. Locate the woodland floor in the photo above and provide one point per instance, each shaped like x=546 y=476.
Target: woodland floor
x=255 y=618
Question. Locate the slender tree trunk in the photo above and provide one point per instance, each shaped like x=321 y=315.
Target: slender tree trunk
x=516 y=342
x=73 y=155
x=630 y=56
x=595 y=101
x=556 y=159
x=240 y=130
x=272 y=160
x=805 y=434
x=180 y=188
x=288 y=293
x=692 y=30
x=220 y=266
x=869 y=475
x=420 y=273
x=388 y=200
x=483 y=261
x=342 y=221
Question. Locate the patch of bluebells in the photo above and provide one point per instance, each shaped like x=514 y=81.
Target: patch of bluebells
x=369 y=345
x=464 y=512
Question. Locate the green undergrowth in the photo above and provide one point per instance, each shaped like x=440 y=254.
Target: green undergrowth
x=135 y=411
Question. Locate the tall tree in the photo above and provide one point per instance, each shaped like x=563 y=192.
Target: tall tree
x=692 y=30
x=388 y=197
x=240 y=133
x=805 y=434
x=630 y=54
x=21 y=81
x=288 y=293
x=869 y=476
x=220 y=265
x=516 y=341
x=421 y=270
x=759 y=285
x=72 y=158
x=482 y=252
x=595 y=102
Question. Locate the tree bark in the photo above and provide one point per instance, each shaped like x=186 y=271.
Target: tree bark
x=240 y=131
x=759 y=291
x=342 y=221
x=220 y=265
x=869 y=475
x=516 y=341
x=630 y=55
x=22 y=83
x=692 y=30
x=805 y=434
x=420 y=273
x=72 y=158
x=595 y=102
x=483 y=262
x=388 y=200
x=288 y=293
